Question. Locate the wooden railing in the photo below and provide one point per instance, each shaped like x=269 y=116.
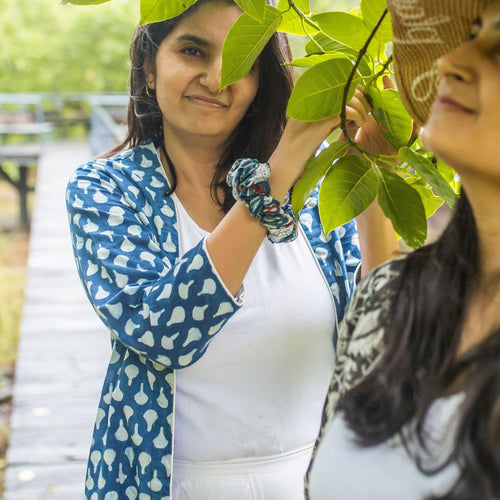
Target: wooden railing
x=107 y=122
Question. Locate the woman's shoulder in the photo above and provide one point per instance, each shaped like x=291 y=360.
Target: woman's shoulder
x=369 y=309
x=137 y=172
x=134 y=163
x=133 y=179
x=371 y=302
x=382 y=279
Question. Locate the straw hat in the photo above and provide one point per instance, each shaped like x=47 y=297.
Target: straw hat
x=423 y=31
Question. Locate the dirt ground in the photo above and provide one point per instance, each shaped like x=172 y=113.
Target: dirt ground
x=14 y=245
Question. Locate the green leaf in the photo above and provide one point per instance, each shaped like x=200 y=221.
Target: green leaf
x=447 y=172
x=429 y=199
x=254 y=8
x=347 y=190
x=322 y=44
x=316 y=168
x=403 y=205
x=83 y=2
x=389 y=112
x=345 y=28
x=153 y=11
x=431 y=174
x=372 y=10
x=303 y=5
x=291 y=21
x=313 y=59
x=319 y=91
x=329 y=46
x=244 y=42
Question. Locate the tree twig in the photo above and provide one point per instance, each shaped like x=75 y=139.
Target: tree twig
x=362 y=52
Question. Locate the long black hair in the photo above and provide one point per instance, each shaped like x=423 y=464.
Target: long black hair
x=420 y=362
x=256 y=136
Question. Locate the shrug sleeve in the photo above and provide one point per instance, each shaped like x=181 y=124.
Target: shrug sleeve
x=125 y=242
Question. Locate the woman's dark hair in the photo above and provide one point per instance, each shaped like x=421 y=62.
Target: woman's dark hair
x=420 y=363
x=258 y=133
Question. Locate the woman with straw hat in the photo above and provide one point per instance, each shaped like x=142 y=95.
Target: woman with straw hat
x=413 y=409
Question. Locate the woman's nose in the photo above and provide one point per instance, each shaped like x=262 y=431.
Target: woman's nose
x=211 y=77
x=459 y=63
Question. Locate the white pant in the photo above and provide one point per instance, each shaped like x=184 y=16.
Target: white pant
x=275 y=477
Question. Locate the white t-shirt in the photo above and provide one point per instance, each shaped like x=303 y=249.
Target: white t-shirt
x=344 y=470
x=260 y=387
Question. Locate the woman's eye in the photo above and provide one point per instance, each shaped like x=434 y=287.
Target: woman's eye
x=473 y=34
x=475 y=28
x=191 y=51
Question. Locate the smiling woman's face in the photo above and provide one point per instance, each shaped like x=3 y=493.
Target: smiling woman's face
x=187 y=79
x=464 y=127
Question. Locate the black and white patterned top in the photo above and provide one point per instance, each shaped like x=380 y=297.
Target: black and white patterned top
x=360 y=341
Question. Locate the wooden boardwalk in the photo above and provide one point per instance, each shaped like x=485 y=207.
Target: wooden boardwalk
x=63 y=351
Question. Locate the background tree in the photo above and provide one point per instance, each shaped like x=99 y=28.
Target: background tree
x=45 y=47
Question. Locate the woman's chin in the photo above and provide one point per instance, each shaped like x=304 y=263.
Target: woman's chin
x=439 y=145
x=424 y=137
x=432 y=140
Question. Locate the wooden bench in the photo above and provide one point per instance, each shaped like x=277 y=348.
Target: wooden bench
x=22 y=155
x=17 y=117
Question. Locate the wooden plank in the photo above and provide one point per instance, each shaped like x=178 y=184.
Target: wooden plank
x=44 y=482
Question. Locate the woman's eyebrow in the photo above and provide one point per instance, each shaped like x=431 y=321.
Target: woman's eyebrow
x=186 y=37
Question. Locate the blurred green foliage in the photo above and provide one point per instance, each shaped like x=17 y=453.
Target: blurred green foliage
x=330 y=5
x=46 y=47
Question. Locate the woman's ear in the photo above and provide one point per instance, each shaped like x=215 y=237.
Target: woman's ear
x=150 y=81
x=150 y=75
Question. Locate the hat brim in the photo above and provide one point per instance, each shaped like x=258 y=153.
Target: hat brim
x=423 y=31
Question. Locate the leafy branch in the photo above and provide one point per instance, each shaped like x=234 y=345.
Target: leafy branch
x=339 y=56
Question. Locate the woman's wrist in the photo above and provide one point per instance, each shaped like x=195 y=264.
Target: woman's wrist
x=250 y=183
x=280 y=181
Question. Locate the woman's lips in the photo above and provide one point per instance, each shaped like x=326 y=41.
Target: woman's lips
x=447 y=103
x=206 y=102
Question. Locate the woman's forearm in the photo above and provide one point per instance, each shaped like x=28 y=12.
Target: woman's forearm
x=377 y=239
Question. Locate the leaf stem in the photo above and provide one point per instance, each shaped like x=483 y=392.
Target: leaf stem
x=303 y=16
x=305 y=20
x=381 y=72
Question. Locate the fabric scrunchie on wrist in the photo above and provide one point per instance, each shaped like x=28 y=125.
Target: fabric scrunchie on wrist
x=249 y=181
